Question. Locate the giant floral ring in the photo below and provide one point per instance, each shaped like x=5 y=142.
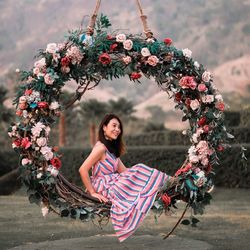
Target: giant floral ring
x=89 y=59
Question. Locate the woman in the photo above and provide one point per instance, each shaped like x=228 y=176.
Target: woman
x=132 y=191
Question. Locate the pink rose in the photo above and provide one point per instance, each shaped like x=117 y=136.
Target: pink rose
x=193 y=158
x=194 y=104
x=152 y=60
x=128 y=44
x=48 y=79
x=52 y=48
x=220 y=106
x=204 y=161
x=22 y=99
x=22 y=105
x=126 y=59
x=187 y=82
x=28 y=92
x=36 y=71
x=202 y=87
x=19 y=112
x=206 y=128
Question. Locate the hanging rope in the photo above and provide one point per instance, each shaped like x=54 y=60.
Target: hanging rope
x=147 y=31
x=91 y=25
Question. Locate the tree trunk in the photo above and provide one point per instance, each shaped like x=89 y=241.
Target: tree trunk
x=92 y=133
x=62 y=130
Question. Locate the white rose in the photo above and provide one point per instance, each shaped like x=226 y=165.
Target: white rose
x=207 y=98
x=193 y=158
x=196 y=64
x=54 y=172
x=126 y=59
x=25 y=113
x=39 y=175
x=219 y=98
x=206 y=76
x=40 y=63
x=128 y=44
x=145 y=52
x=54 y=105
x=44 y=209
x=195 y=138
x=42 y=141
x=26 y=161
x=187 y=53
x=52 y=48
x=194 y=104
x=120 y=38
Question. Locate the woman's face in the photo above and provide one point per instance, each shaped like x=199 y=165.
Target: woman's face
x=112 y=129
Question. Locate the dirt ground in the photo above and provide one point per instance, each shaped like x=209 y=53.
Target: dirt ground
x=225 y=225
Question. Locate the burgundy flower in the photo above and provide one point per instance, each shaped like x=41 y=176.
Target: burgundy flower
x=168 y=41
x=188 y=102
x=56 y=162
x=202 y=121
x=18 y=142
x=104 y=59
x=65 y=61
x=135 y=75
x=220 y=148
x=178 y=97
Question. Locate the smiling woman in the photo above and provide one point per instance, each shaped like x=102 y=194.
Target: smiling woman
x=88 y=57
x=131 y=191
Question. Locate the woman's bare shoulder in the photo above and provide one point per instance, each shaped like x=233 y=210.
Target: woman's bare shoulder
x=99 y=147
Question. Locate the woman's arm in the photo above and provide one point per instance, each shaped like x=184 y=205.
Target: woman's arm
x=94 y=156
x=121 y=167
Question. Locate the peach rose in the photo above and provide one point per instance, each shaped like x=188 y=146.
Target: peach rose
x=126 y=59
x=206 y=76
x=194 y=104
x=152 y=60
x=48 y=79
x=120 y=38
x=128 y=44
x=145 y=52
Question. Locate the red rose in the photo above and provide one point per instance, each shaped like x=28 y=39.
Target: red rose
x=135 y=75
x=22 y=105
x=109 y=37
x=183 y=170
x=25 y=143
x=166 y=200
x=113 y=46
x=55 y=149
x=65 y=61
x=220 y=106
x=56 y=162
x=178 y=97
x=220 y=148
x=28 y=91
x=104 y=59
x=202 y=121
x=168 y=41
x=42 y=105
x=206 y=128
x=19 y=112
x=18 y=142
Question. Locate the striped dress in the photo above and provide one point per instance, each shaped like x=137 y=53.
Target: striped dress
x=131 y=192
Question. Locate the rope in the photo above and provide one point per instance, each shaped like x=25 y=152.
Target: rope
x=91 y=25
x=178 y=222
x=147 y=31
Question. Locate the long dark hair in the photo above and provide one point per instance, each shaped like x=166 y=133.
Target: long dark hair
x=116 y=147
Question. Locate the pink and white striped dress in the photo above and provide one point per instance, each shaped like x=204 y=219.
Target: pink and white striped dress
x=132 y=192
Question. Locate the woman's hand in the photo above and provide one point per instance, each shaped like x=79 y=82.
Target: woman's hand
x=100 y=197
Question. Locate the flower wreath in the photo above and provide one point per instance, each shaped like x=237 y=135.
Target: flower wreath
x=88 y=58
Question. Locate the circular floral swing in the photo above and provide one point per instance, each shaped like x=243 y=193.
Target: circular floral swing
x=88 y=57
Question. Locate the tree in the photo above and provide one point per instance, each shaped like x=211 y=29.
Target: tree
x=93 y=110
x=122 y=107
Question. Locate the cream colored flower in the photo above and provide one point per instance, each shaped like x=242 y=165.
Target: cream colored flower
x=187 y=53
x=120 y=38
x=206 y=76
x=128 y=44
x=145 y=52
